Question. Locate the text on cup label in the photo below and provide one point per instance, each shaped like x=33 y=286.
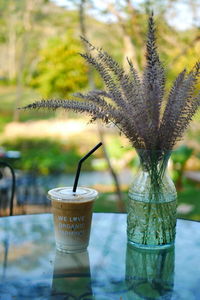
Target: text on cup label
x=71 y=219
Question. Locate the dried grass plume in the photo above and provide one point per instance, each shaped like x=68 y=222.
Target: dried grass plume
x=134 y=104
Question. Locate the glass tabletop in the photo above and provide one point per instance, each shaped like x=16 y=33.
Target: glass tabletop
x=31 y=268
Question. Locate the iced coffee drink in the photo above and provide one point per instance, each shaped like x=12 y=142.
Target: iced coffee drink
x=72 y=217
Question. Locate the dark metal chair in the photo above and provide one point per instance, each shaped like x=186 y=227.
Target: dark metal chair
x=4 y=190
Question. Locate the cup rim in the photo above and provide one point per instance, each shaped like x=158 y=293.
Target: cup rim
x=82 y=194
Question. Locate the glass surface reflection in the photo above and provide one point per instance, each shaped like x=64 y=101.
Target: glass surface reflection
x=26 y=251
x=71 y=276
x=29 y=268
x=149 y=273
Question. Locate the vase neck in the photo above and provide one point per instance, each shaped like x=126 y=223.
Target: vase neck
x=153 y=160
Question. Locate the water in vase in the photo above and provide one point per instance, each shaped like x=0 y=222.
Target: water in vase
x=151 y=224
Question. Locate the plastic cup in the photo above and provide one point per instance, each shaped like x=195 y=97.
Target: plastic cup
x=72 y=217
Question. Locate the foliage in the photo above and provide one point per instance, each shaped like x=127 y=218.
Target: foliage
x=106 y=202
x=179 y=158
x=135 y=106
x=190 y=196
x=181 y=155
x=46 y=156
x=27 y=26
x=60 y=71
x=114 y=148
x=4 y=120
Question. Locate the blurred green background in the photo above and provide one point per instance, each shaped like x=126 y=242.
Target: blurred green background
x=39 y=58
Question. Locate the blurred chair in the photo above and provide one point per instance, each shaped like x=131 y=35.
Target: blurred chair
x=31 y=193
x=7 y=188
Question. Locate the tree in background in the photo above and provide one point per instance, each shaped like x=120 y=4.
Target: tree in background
x=177 y=48
x=83 y=30
x=117 y=26
x=60 y=70
x=20 y=31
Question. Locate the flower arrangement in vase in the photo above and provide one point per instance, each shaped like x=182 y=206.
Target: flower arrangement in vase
x=152 y=121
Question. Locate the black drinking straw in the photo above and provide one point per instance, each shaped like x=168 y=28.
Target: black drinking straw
x=80 y=164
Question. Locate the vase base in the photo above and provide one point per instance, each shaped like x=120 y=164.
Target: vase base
x=150 y=247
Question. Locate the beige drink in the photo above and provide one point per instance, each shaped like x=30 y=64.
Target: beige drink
x=72 y=217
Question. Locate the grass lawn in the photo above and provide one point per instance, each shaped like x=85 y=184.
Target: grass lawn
x=189 y=198
x=107 y=202
x=7 y=105
x=8 y=96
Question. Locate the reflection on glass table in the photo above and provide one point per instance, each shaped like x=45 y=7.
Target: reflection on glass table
x=71 y=276
x=149 y=273
x=30 y=267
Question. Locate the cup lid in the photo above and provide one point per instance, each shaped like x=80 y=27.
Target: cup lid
x=67 y=194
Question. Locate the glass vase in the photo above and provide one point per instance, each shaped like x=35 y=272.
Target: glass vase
x=152 y=202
